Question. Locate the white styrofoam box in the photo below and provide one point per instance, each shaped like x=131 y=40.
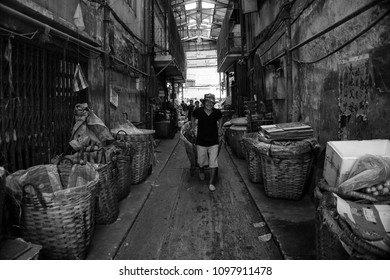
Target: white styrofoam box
x=341 y=155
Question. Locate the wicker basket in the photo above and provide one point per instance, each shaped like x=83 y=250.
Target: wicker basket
x=328 y=246
x=63 y=222
x=107 y=203
x=123 y=162
x=253 y=159
x=332 y=232
x=142 y=145
x=286 y=167
x=124 y=175
x=236 y=133
x=227 y=135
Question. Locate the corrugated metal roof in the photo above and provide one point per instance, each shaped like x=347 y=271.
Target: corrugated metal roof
x=198 y=20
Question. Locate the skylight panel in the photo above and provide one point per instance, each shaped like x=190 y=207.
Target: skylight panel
x=190 y=6
x=206 y=5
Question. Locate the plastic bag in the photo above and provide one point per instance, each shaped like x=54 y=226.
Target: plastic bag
x=127 y=127
x=95 y=124
x=367 y=171
x=46 y=179
x=88 y=129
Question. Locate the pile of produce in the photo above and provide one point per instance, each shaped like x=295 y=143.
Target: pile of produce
x=379 y=189
x=370 y=175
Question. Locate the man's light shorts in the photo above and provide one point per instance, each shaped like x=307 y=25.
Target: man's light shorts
x=207 y=156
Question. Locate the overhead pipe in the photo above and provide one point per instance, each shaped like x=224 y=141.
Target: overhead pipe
x=338 y=23
x=172 y=60
x=128 y=65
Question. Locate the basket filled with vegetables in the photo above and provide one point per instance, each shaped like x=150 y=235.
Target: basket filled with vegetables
x=354 y=235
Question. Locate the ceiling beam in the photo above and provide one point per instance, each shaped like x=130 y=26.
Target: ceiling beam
x=186 y=2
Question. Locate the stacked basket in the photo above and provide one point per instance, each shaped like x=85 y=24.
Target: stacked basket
x=123 y=161
x=286 y=167
x=328 y=246
x=236 y=132
x=142 y=145
x=107 y=204
x=250 y=141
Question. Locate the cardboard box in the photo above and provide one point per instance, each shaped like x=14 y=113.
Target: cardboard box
x=341 y=155
x=371 y=222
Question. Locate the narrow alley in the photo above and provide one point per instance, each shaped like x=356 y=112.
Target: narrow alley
x=181 y=219
x=110 y=110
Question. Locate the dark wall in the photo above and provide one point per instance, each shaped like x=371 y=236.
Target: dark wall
x=345 y=95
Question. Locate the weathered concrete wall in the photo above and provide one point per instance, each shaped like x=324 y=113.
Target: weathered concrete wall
x=96 y=86
x=123 y=81
x=268 y=11
x=337 y=95
x=132 y=16
x=129 y=99
x=344 y=96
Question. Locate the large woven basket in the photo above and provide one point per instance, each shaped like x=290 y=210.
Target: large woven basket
x=142 y=145
x=286 y=167
x=123 y=163
x=250 y=140
x=332 y=232
x=328 y=245
x=227 y=135
x=62 y=223
x=124 y=175
x=235 y=142
x=107 y=203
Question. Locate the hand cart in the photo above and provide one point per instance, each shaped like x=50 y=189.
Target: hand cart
x=189 y=144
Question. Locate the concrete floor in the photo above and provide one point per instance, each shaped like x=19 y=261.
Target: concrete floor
x=172 y=215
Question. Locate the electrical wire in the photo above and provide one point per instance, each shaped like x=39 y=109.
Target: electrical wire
x=21 y=35
x=349 y=41
x=273 y=44
x=326 y=30
x=281 y=35
x=301 y=12
x=272 y=30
